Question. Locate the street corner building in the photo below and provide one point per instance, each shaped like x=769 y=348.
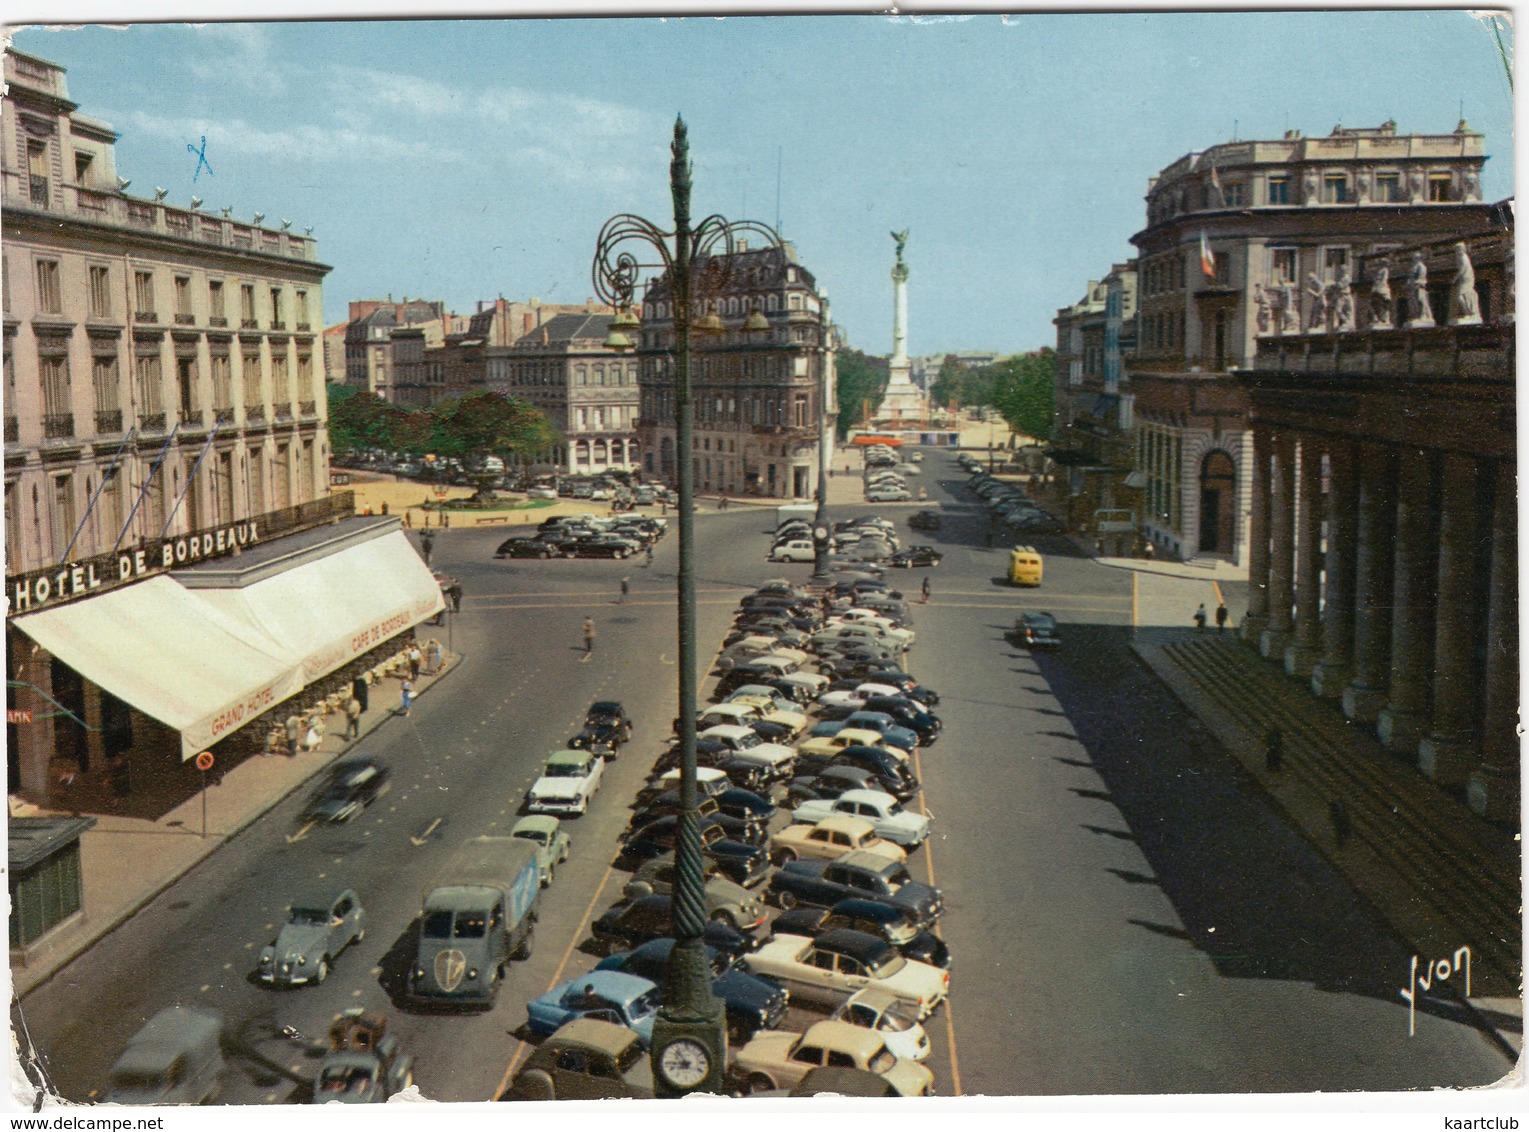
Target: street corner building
x=178 y=577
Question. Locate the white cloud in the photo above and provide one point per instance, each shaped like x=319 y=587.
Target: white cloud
x=306 y=142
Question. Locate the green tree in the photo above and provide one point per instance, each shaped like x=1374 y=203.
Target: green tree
x=949 y=388
x=861 y=382
x=1024 y=392
x=360 y=420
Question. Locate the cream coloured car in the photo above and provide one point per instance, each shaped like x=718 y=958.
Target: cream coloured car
x=827 y=746
x=778 y=1059
x=830 y=839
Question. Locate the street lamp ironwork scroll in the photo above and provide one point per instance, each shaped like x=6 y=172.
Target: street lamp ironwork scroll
x=689 y=1046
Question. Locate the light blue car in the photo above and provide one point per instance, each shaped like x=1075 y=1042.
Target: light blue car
x=610 y=996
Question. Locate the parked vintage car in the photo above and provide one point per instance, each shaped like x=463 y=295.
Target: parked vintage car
x=862 y=875
x=586 y=1059
x=633 y=921
x=742 y=862
x=176 y=1058
x=320 y=924
x=727 y=902
x=915 y=556
x=606 y=727
x=567 y=784
x=885 y=814
x=876 y=1008
x=830 y=968
x=830 y=839
x=892 y=924
x=521 y=547
x=365 y=1064
x=610 y=996
x=550 y=838
x=778 y=1058
x=752 y=1003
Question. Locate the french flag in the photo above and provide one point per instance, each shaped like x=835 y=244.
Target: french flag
x=1207 y=257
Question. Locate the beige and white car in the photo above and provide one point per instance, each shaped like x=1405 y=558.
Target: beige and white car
x=830 y=839
x=830 y=968
x=772 y=706
x=827 y=746
x=779 y=1059
x=741 y=714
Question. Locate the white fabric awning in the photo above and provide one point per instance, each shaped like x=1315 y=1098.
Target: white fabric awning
x=206 y=661
x=327 y=612
x=160 y=648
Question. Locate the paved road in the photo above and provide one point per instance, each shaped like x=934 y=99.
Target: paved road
x=1125 y=913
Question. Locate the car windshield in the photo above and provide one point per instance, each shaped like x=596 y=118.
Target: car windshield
x=888 y=966
x=535 y=835
x=565 y=770
x=897 y=877
x=437 y=925
x=315 y=916
x=881 y=1061
x=747 y=742
x=898 y=1018
x=645 y=1005
x=471 y=925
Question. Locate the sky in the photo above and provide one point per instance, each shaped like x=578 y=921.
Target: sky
x=465 y=159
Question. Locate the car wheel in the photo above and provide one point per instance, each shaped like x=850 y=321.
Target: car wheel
x=545 y=554
x=535 y=1085
x=322 y=972
x=786 y=900
x=759 y=1083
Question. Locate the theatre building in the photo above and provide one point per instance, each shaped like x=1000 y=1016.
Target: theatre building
x=177 y=575
x=1384 y=562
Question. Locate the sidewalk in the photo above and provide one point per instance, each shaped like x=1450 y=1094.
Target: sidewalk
x=126 y=862
x=1440 y=876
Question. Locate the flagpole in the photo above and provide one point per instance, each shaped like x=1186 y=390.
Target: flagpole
x=153 y=471
x=190 y=479
x=100 y=487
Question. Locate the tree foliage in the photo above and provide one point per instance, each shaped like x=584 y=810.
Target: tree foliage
x=478 y=424
x=862 y=380
x=1024 y=392
x=949 y=388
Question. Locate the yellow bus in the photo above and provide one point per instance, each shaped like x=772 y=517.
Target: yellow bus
x=1025 y=566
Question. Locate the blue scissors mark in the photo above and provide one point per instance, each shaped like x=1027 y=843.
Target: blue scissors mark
x=201 y=158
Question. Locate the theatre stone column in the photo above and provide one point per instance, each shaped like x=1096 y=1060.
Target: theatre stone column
x=1332 y=673
x=1493 y=789
x=1302 y=653
x=1451 y=751
x=1367 y=691
x=1258 y=539
x=1281 y=545
x=1405 y=719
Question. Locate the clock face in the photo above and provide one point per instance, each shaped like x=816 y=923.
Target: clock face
x=684 y=1063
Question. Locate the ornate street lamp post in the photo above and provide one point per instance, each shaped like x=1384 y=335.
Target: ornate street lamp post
x=689 y=1047
x=820 y=529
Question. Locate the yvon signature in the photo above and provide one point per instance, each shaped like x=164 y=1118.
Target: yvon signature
x=1440 y=970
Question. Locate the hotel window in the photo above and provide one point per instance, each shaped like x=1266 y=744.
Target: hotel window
x=1284 y=265
x=1388 y=188
x=1279 y=190
x=143 y=296
x=222 y=385
x=277 y=321
x=63 y=513
x=182 y=298
x=215 y=303
x=106 y=383
x=1439 y=185
x=82 y=164
x=48 y=299
x=149 y=372
x=253 y=379
x=1232 y=194
x=305 y=378
x=281 y=381
x=300 y=314
x=1335 y=188
x=100 y=292
x=54 y=373
x=247 y=306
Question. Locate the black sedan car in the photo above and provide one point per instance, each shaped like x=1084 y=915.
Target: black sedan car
x=606 y=727
x=630 y=923
x=520 y=547
x=733 y=802
x=352 y=785
x=601 y=546
x=924 y=520
x=915 y=556
x=1040 y=525
x=746 y=828
x=752 y=1002
x=872 y=917
x=739 y=861
x=1036 y=631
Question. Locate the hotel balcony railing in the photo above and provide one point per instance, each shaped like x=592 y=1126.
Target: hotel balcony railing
x=185 y=319
x=145 y=316
x=12 y=430
x=217 y=320
x=191 y=418
x=254 y=412
x=283 y=412
x=58 y=426
x=108 y=420
x=278 y=325
x=152 y=422
x=304 y=327
x=248 y=324
x=224 y=415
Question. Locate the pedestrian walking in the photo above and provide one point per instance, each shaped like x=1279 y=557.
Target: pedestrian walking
x=1274 y=750
x=384 y=506
x=1337 y=813
x=436 y=655
x=626 y=585
x=926 y=589
x=359 y=687
x=408 y=519
x=406 y=697
x=294 y=733
x=454 y=592
x=445 y=520
x=1221 y=617
x=1200 y=618
x=1148 y=551
x=647 y=556
x=416 y=658
x=426 y=542
x=589 y=635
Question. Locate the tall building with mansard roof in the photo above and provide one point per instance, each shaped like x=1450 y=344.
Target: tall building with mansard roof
x=758 y=396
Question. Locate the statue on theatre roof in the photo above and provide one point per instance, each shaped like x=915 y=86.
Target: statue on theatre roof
x=1419 y=309
x=1380 y=299
x=1464 y=305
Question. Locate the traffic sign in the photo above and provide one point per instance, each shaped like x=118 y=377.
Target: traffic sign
x=204 y=761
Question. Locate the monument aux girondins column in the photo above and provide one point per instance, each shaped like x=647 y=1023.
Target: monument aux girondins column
x=903 y=401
